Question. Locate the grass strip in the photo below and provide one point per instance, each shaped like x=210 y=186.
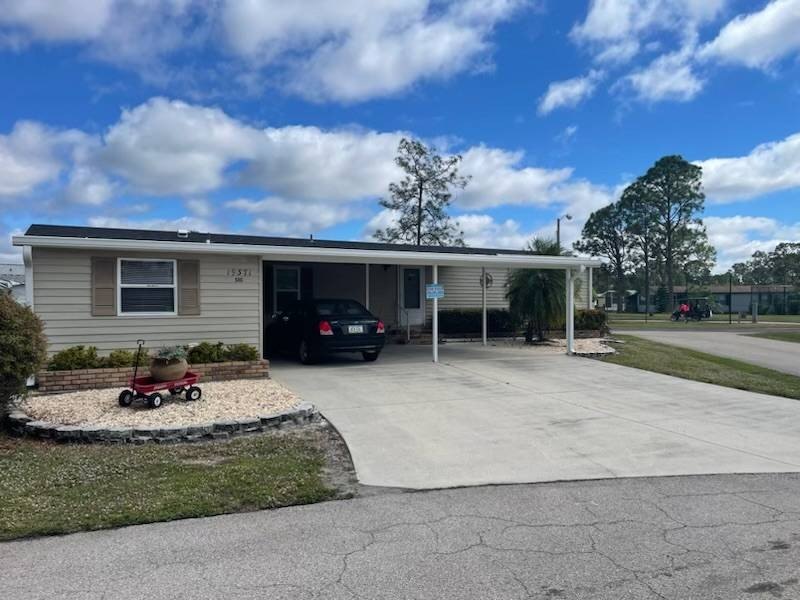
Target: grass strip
x=699 y=366
x=49 y=488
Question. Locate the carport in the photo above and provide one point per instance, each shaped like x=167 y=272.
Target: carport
x=320 y=256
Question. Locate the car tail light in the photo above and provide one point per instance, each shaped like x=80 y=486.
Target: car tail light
x=325 y=328
x=381 y=328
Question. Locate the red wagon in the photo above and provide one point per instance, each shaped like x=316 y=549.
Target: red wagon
x=147 y=388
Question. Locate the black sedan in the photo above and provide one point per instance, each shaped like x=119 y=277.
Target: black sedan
x=314 y=328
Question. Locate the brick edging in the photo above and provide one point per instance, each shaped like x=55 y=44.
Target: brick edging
x=53 y=382
x=20 y=424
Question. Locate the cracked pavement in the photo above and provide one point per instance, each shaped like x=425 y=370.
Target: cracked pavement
x=704 y=537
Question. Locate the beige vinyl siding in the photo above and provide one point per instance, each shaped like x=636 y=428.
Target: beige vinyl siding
x=462 y=289
x=230 y=311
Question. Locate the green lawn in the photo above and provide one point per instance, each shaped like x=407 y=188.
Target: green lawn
x=51 y=489
x=781 y=336
x=699 y=366
x=717 y=318
x=661 y=320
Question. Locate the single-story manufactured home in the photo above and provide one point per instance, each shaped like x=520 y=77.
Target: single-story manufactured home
x=108 y=287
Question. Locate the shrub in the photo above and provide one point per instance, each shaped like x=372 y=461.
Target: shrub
x=119 y=358
x=206 y=352
x=171 y=353
x=468 y=320
x=75 y=357
x=241 y=352
x=23 y=348
x=593 y=319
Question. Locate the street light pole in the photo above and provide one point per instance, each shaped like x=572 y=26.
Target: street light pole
x=568 y=217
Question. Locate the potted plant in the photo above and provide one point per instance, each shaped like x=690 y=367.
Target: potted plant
x=169 y=363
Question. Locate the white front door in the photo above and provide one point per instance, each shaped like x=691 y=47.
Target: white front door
x=412 y=295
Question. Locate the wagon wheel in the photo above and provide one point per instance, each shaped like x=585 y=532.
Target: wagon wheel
x=176 y=390
x=194 y=393
x=154 y=400
x=125 y=398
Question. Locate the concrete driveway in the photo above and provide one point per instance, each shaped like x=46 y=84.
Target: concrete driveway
x=772 y=354
x=505 y=415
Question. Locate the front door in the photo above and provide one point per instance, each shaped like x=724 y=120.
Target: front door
x=412 y=298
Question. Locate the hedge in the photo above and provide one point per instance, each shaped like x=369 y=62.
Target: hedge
x=468 y=320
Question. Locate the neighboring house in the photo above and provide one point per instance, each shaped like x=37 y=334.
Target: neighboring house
x=12 y=279
x=774 y=298
x=108 y=287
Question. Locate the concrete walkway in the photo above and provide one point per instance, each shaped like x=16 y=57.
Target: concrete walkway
x=718 y=537
x=504 y=415
x=772 y=354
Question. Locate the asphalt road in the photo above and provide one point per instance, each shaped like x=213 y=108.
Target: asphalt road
x=772 y=354
x=702 y=537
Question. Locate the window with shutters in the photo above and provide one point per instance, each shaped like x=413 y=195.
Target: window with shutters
x=147 y=286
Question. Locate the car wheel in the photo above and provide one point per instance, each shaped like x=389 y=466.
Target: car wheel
x=306 y=355
x=154 y=400
x=370 y=356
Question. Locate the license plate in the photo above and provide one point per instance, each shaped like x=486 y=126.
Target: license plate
x=355 y=329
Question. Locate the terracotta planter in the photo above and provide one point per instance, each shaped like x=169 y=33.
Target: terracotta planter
x=167 y=370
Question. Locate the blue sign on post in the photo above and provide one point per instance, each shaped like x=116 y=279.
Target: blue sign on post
x=434 y=291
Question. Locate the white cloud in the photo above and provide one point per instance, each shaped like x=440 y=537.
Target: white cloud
x=348 y=50
x=736 y=238
x=171 y=147
x=293 y=217
x=758 y=39
x=27 y=158
x=669 y=77
x=769 y=167
x=569 y=92
x=483 y=231
x=9 y=254
x=498 y=178
x=200 y=207
x=615 y=29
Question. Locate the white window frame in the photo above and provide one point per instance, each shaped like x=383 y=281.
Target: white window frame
x=275 y=290
x=174 y=287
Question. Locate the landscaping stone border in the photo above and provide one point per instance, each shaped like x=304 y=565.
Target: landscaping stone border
x=23 y=425
x=56 y=382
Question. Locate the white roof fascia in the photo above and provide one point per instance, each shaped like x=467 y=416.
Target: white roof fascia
x=311 y=254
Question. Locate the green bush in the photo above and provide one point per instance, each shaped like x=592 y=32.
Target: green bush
x=591 y=319
x=75 y=357
x=241 y=352
x=206 y=352
x=124 y=358
x=468 y=320
x=23 y=348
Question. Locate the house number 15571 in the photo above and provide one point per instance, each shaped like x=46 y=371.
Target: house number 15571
x=239 y=275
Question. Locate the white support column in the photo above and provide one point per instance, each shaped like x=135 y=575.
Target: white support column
x=435 y=318
x=366 y=286
x=483 y=305
x=570 y=321
x=591 y=293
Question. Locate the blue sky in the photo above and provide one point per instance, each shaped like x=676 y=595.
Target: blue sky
x=283 y=118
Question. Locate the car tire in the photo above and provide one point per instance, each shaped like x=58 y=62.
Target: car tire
x=370 y=356
x=306 y=354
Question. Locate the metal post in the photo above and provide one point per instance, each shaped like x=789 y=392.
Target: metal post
x=435 y=318
x=366 y=286
x=483 y=305
x=730 y=298
x=558 y=233
x=570 y=320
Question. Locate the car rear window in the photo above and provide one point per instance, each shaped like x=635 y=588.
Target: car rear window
x=340 y=307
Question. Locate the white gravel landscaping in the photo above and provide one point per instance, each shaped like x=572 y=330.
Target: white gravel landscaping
x=558 y=346
x=221 y=401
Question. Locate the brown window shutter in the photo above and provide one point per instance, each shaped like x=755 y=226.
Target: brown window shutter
x=104 y=286
x=188 y=287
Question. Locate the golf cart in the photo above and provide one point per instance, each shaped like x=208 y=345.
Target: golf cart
x=699 y=309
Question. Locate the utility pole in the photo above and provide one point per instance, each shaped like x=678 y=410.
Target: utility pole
x=730 y=298
x=558 y=228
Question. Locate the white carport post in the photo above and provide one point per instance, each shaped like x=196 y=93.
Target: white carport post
x=483 y=305
x=590 y=293
x=570 y=322
x=366 y=286
x=435 y=317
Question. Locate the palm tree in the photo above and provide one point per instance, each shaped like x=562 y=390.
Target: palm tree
x=537 y=296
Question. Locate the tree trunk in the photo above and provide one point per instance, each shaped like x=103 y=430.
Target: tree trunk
x=668 y=264
x=620 y=291
x=529 y=332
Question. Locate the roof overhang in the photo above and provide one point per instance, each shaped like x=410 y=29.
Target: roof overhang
x=304 y=254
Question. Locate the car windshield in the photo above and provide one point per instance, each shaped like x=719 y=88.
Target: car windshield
x=340 y=307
